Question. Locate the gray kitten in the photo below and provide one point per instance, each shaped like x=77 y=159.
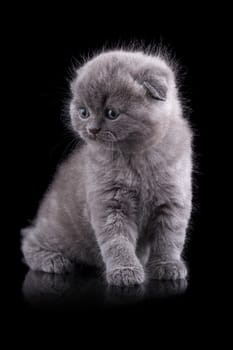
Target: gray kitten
x=121 y=201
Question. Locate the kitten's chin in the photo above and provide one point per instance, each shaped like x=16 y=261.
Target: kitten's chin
x=96 y=141
x=125 y=145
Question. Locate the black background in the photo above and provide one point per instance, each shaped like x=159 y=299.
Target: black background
x=43 y=44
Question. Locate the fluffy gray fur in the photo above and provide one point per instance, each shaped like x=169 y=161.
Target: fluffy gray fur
x=121 y=201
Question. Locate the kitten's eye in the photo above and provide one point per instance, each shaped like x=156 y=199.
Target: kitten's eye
x=111 y=113
x=84 y=113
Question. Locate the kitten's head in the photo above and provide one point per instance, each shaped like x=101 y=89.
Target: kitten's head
x=123 y=98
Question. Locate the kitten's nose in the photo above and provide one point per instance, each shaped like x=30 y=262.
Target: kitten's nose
x=94 y=131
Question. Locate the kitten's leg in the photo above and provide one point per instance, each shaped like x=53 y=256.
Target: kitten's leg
x=123 y=268
x=114 y=223
x=169 y=230
x=41 y=258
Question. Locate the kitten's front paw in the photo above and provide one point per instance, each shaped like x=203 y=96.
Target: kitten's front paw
x=126 y=276
x=56 y=263
x=168 y=270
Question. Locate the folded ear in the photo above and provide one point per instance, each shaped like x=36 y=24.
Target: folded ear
x=156 y=88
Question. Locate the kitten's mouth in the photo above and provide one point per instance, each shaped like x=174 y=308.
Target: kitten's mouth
x=94 y=138
x=105 y=137
x=91 y=136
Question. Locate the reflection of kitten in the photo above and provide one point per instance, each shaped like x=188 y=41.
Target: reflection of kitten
x=43 y=289
x=121 y=201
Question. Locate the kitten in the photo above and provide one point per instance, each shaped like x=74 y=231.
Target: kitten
x=121 y=201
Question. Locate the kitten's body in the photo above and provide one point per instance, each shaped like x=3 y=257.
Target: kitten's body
x=121 y=204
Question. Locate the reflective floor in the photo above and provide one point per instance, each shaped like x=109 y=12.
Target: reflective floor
x=89 y=288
